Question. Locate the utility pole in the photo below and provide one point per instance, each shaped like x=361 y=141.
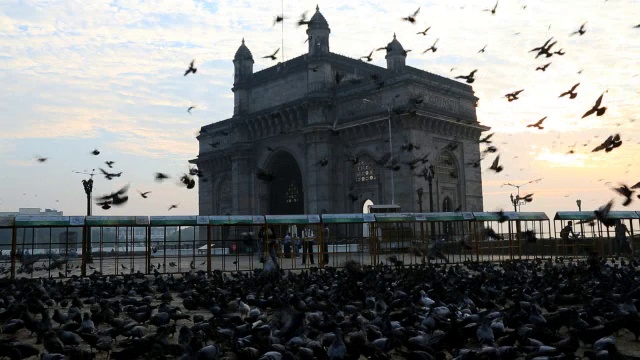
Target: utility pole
x=516 y=201
x=88 y=190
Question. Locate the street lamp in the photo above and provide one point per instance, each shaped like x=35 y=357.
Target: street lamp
x=420 y=192
x=579 y=203
x=516 y=201
x=88 y=190
x=428 y=173
x=389 y=107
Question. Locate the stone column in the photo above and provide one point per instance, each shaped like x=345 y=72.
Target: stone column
x=205 y=189
x=318 y=184
x=242 y=170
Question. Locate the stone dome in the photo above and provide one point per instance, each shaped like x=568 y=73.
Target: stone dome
x=395 y=48
x=243 y=53
x=318 y=21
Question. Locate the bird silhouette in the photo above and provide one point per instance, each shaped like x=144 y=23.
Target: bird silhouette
x=559 y=52
x=486 y=139
x=538 y=124
x=513 y=95
x=272 y=56
x=612 y=142
x=493 y=10
x=144 y=194
x=109 y=176
x=597 y=109
x=41 y=159
x=469 y=78
x=174 y=206
x=110 y=163
x=482 y=50
x=191 y=68
x=580 y=31
x=95 y=152
x=544 y=49
x=412 y=18
x=190 y=108
x=571 y=92
x=160 y=176
x=303 y=19
x=495 y=166
x=625 y=191
x=433 y=47
x=278 y=19
x=543 y=67
x=368 y=57
x=423 y=32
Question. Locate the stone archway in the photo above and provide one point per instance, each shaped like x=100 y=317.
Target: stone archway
x=286 y=192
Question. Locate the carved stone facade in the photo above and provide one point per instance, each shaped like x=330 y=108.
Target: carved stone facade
x=300 y=121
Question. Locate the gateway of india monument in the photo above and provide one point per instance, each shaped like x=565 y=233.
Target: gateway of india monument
x=327 y=133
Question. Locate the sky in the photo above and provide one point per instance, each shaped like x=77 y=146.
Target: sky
x=108 y=75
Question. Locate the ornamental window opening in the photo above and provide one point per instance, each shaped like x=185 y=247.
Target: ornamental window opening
x=293 y=194
x=366 y=170
x=446 y=165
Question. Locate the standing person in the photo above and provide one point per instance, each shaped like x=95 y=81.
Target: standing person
x=325 y=245
x=287 y=246
x=296 y=244
x=621 y=237
x=307 y=247
x=273 y=245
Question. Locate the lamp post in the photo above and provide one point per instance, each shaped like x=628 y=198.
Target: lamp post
x=389 y=107
x=516 y=201
x=420 y=192
x=429 y=176
x=579 y=203
x=88 y=190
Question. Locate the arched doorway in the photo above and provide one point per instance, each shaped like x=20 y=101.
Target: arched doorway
x=365 y=210
x=286 y=194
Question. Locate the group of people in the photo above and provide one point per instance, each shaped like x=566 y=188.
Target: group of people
x=294 y=245
x=621 y=243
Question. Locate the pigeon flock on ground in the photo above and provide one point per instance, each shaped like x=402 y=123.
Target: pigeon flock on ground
x=543 y=309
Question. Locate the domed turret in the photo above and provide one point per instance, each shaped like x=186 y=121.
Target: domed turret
x=242 y=63
x=243 y=71
x=396 y=55
x=243 y=53
x=318 y=32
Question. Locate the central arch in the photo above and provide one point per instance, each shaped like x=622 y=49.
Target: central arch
x=286 y=194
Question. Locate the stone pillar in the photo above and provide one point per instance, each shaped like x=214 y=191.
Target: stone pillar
x=205 y=189
x=319 y=189
x=242 y=169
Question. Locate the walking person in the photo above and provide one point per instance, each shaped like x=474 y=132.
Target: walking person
x=621 y=243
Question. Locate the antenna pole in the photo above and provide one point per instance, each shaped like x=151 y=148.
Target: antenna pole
x=282 y=44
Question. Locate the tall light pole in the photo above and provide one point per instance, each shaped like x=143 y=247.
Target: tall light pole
x=88 y=190
x=429 y=173
x=516 y=201
x=389 y=108
x=420 y=192
x=579 y=203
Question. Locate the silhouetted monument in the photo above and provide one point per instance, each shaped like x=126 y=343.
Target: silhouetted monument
x=283 y=122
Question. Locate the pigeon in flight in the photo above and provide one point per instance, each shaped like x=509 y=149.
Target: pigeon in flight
x=572 y=94
x=412 y=18
x=597 y=109
x=538 y=124
x=191 y=69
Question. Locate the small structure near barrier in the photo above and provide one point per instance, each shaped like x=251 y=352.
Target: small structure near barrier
x=236 y=236
x=530 y=233
x=619 y=238
x=494 y=235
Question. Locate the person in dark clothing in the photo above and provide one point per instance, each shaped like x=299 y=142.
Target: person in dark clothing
x=325 y=246
x=307 y=245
